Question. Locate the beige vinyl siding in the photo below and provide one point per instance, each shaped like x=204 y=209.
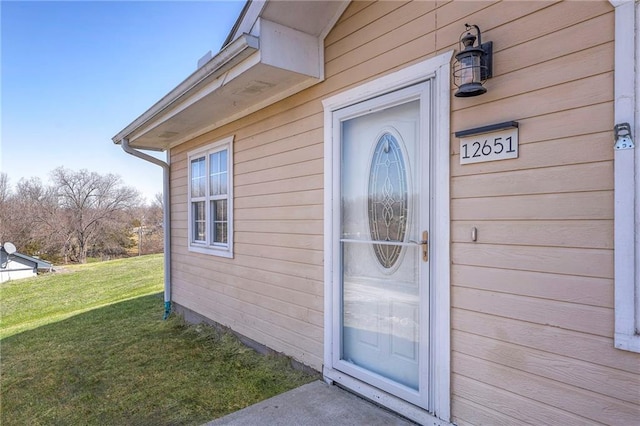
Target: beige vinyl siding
x=272 y=290
x=532 y=299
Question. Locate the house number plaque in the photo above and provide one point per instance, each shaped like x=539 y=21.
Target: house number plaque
x=497 y=145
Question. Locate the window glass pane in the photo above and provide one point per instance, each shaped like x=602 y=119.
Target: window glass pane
x=218 y=173
x=198 y=176
x=214 y=184
x=199 y=222
x=219 y=209
x=214 y=162
x=223 y=183
x=221 y=233
x=223 y=160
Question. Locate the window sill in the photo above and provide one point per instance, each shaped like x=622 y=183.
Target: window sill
x=213 y=251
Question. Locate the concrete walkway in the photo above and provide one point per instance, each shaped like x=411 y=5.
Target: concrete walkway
x=314 y=404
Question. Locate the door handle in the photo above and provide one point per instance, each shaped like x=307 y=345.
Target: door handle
x=425 y=246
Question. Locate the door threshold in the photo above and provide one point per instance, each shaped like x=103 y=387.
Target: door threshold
x=383 y=399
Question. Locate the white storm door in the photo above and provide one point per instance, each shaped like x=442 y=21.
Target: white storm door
x=381 y=327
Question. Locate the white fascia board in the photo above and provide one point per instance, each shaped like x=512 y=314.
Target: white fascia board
x=230 y=55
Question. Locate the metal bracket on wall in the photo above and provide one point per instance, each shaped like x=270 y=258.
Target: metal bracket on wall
x=623 y=136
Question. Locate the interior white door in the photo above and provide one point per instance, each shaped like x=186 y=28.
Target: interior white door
x=384 y=280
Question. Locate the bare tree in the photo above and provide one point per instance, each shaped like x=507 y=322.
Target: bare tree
x=80 y=213
x=91 y=204
x=158 y=200
x=147 y=225
x=5 y=194
x=5 y=190
x=36 y=219
x=155 y=235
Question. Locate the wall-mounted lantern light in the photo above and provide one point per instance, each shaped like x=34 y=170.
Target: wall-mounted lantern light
x=474 y=64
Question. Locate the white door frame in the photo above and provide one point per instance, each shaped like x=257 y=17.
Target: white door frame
x=438 y=70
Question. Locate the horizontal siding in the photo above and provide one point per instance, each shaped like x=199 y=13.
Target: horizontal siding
x=543 y=392
x=586 y=148
x=481 y=414
x=295 y=308
x=541 y=285
x=551 y=233
x=574 y=94
x=375 y=38
x=515 y=24
x=580 y=262
x=352 y=27
x=604 y=381
x=547 y=180
x=567 y=206
x=532 y=298
x=305 y=227
x=273 y=335
x=587 y=347
x=484 y=404
x=292 y=184
x=568 y=316
x=297 y=170
x=570 y=67
x=534 y=292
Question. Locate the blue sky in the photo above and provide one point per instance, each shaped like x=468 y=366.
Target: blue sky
x=75 y=73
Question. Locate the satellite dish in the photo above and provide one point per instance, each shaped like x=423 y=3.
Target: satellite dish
x=9 y=248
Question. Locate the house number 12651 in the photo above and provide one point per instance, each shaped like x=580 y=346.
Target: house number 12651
x=500 y=145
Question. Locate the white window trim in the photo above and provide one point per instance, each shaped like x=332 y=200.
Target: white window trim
x=439 y=68
x=207 y=248
x=626 y=178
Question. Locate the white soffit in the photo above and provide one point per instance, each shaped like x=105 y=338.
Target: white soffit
x=283 y=54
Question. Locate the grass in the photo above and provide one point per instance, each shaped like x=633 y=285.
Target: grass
x=90 y=347
x=30 y=303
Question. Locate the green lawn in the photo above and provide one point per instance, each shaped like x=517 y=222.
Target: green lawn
x=89 y=347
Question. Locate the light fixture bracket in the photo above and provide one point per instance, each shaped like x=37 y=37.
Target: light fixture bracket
x=486 y=61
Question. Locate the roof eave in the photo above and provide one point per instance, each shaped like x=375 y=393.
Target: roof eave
x=282 y=55
x=231 y=55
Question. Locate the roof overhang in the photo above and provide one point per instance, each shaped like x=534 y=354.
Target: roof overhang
x=275 y=50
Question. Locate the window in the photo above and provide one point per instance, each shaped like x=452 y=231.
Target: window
x=388 y=199
x=211 y=199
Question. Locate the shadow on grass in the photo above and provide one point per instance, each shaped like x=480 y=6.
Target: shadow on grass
x=122 y=364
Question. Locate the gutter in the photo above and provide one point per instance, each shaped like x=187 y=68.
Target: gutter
x=166 y=219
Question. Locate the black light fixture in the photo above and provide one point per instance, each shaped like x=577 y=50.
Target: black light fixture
x=474 y=63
